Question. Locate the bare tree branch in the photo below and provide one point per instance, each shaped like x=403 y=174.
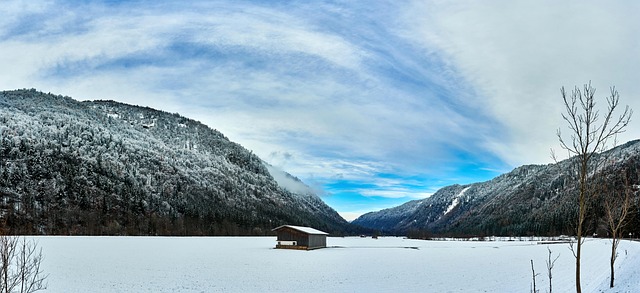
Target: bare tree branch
x=20 y=267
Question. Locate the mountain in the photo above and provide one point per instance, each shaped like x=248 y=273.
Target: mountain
x=103 y=167
x=530 y=200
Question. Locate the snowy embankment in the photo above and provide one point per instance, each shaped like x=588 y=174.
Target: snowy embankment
x=250 y=264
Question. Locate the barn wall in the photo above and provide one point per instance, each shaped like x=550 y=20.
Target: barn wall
x=288 y=234
x=316 y=241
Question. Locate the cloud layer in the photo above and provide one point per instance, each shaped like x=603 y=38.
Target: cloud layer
x=518 y=55
x=371 y=103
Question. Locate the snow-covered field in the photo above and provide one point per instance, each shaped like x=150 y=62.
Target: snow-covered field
x=250 y=264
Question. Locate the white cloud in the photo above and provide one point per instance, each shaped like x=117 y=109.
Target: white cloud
x=275 y=32
x=350 y=216
x=518 y=54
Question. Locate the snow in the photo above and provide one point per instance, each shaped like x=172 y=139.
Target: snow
x=307 y=230
x=456 y=200
x=250 y=264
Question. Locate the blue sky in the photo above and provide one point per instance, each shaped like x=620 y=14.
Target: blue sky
x=372 y=103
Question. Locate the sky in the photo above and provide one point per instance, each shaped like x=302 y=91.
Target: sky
x=371 y=103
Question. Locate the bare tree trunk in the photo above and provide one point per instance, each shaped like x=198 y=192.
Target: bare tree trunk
x=613 y=260
x=534 y=275
x=582 y=206
x=578 y=287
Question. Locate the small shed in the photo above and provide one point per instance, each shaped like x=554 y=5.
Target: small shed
x=296 y=237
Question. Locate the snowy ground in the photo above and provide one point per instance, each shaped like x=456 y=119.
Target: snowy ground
x=250 y=264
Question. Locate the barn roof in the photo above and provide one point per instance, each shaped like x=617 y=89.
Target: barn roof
x=307 y=230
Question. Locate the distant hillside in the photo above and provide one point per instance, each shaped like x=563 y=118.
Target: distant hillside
x=102 y=167
x=530 y=200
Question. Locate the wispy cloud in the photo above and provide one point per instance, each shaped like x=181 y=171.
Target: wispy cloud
x=517 y=55
x=372 y=103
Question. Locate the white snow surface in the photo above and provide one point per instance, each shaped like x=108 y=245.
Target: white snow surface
x=456 y=200
x=251 y=264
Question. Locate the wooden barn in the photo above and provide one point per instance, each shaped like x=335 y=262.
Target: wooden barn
x=296 y=237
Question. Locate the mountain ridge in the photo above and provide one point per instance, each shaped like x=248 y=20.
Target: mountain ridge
x=529 y=200
x=104 y=167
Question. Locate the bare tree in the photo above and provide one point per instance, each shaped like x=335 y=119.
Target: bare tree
x=617 y=207
x=533 y=275
x=550 y=264
x=590 y=134
x=20 y=262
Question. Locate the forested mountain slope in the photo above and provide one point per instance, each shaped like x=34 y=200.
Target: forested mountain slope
x=530 y=200
x=102 y=167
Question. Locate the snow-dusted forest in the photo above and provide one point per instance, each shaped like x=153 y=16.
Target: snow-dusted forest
x=106 y=168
